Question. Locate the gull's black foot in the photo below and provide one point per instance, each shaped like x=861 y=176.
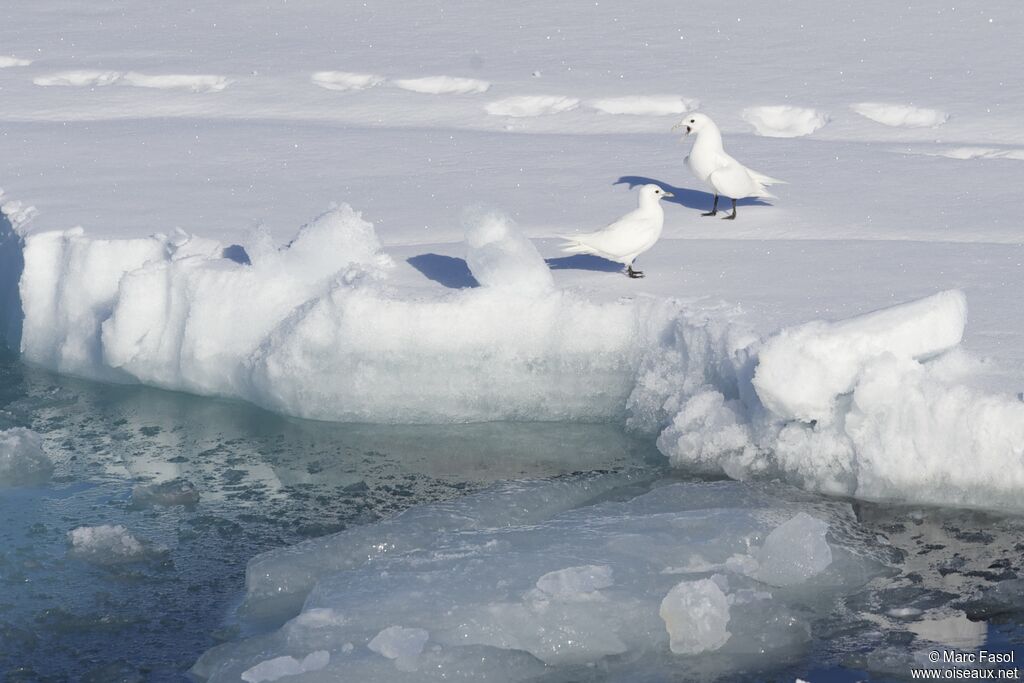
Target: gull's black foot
x=710 y=213
x=635 y=274
x=732 y=216
x=714 y=208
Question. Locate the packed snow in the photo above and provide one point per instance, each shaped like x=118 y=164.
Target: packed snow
x=901 y=115
x=23 y=462
x=87 y=78
x=7 y=61
x=442 y=85
x=345 y=80
x=784 y=121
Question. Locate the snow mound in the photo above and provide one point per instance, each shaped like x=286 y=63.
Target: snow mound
x=442 y=85
x=901 y=115
x=106 y=544
x=22 y=459
x=546 y=576
x=499 y=256
x=345 y=80
x=191 y=82
x=523 y=106
x=645 y=105
x=784 y=121
x=7 y=62
x=280 y=667
x=802 y=371
x=91 y=78
x=79 y=78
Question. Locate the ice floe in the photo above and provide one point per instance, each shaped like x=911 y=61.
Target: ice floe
x=23 y=462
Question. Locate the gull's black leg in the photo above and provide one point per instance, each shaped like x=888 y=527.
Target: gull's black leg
x=633 y=273
x=732 y=216
x=714 y=209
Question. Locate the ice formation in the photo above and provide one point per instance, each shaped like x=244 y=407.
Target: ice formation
x=280 y=667
x=549 y=575
x=106 y=544
x=873 y=406
x=22 y=459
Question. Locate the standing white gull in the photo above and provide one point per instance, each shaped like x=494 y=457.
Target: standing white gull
x=628 y=237
x=710 y=163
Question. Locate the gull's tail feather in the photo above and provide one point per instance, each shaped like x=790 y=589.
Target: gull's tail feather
x=572 y=245
x=762 y=180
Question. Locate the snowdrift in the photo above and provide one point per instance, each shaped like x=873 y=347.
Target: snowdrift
x=874 y=406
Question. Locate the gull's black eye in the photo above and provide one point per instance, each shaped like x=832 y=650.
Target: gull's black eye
x=692 y=121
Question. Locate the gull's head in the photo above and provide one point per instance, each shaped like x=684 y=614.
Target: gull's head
x=655 y=192
x=694 y=123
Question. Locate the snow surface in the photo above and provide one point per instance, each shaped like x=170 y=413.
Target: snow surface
x=645 y=105
x=901 y=115
x=531 y=105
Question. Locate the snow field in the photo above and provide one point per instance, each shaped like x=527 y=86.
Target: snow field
x=784 y=121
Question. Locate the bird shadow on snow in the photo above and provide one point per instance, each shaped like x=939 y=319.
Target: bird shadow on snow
x=449 y=271
x=684 y=196
x=583 y=262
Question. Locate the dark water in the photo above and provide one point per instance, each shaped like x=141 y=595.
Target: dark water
x=262 y=481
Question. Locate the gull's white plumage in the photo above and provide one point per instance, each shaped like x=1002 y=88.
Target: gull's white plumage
x=625 y=239
x=711 y=164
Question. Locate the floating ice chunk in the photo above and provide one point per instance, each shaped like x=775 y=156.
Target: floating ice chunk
x=523 y=106
x=345 y=80
x=645 y=105
x=7 y=62
x=794 y=552
x=442 y=85
x=79 y=79
x=105 y=544
x=784 y=121
x=802 y=370
x=696 y=615
x=165 y=494
x=901 y=115
x=22 y=459
x=280 y=667
x=500 y=256
x=193 y=82
x=951 y=628
x=576 y=583
x=403 y=645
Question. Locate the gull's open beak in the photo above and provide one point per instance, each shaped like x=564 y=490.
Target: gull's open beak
x=680 y=125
